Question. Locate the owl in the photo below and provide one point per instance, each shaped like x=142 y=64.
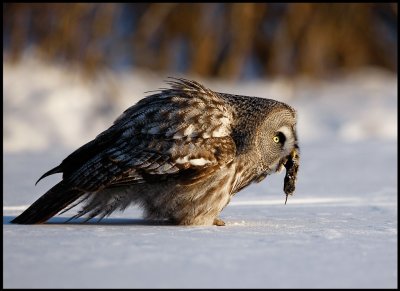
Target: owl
x=180 y=154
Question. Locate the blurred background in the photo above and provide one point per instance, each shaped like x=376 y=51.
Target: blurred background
x=234 y=41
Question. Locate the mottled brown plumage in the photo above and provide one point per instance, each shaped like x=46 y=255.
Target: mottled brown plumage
x=181 y=154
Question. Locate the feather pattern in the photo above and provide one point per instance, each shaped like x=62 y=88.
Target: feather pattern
x=180 y=153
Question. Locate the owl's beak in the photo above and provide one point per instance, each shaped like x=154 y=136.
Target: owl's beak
x=292 y=166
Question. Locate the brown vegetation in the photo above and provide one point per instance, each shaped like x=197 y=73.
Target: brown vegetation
x=226 y=40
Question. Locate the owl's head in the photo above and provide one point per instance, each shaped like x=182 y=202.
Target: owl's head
x=277 y=143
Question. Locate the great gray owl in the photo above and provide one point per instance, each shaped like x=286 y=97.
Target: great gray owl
x=181 y=154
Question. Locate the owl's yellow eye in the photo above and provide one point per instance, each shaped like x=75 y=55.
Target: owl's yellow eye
x=279 y=138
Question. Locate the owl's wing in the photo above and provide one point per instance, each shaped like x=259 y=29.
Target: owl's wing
x=181 y=133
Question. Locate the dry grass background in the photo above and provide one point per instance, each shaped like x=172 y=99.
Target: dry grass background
x=207 y=39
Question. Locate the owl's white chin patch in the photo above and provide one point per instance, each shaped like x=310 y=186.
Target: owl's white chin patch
x=280 y=167
x=276 y=166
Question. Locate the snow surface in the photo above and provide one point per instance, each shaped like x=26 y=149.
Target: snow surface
x=339 y=230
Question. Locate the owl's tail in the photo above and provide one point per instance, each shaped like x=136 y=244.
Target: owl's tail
x=56 y=199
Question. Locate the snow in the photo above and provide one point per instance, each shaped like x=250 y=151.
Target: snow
x=339 y=230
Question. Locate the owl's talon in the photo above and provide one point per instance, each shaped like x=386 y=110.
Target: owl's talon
x=218 y=222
